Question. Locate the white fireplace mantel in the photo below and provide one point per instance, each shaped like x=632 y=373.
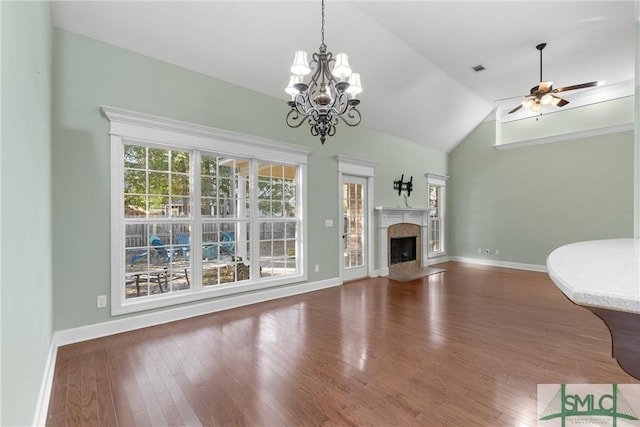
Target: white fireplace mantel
x=388 y=216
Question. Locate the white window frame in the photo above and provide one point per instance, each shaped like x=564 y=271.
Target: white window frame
x=435 y=180
x=365 y=168
x=129 y=127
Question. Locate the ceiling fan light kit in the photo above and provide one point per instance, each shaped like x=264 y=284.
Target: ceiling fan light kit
x=330 y=94
x=544 y=93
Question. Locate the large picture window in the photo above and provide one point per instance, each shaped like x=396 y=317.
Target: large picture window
x=190 y=222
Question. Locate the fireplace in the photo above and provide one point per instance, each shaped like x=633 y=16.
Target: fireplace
x=402 y=249
x=403 y=226
x=404 y=243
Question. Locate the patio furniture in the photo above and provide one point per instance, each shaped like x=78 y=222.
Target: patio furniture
x=183 y=243
x=226 y=246
x=166 y=255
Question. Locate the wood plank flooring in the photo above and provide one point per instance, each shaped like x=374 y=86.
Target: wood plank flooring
x=462 y=348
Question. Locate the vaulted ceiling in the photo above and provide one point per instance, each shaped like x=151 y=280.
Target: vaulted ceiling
x=415 y=57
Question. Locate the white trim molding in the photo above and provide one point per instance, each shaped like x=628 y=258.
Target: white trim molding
x=570 y=136
x=504 y=264
x=130 y=127
x=146 y=127
x=144 y=320
x=44 y=396
x=355 y=166
x=435 y=180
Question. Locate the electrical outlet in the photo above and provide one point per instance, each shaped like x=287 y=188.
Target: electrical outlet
x=487 y=251
x=497 y=251
x=317 y=268
x=102 y=301
x=480 y=250
x=328 y=223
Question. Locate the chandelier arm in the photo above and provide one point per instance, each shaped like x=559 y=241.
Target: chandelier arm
x=314 y=85
x=341 y=103
x=353 y=117
x=294 y=118
x=301 y=104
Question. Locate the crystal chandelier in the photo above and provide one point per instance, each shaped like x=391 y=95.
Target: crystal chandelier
x=329 y=95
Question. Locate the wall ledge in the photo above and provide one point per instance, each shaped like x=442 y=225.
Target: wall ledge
x=566 y=136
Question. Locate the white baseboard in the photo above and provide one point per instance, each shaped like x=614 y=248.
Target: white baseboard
x=505 y=264
x=438 y=260
x=84 y=333
x=42 y=405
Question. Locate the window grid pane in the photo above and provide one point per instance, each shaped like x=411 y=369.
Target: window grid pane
x=224 y=185
x=278 y=248
x=224 y=252
x=152 y=188
x=156 y=258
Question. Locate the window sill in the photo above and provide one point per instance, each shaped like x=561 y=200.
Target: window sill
x=138 y=304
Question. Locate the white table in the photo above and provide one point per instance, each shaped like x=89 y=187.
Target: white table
x=604 y=277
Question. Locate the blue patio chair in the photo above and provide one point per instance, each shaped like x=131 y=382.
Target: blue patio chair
x=160 y=248
x=228 y=242
x=162 y=252
x=138 y=255
x=226 y=246
x=210 y=250
x=183 y=242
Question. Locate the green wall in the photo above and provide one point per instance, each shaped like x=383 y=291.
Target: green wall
x=88 y=74
x=25 y=197
x=528 y=201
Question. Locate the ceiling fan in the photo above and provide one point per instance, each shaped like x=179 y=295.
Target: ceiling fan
x=544 y=93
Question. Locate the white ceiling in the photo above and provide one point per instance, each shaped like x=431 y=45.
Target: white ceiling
x=415 y=57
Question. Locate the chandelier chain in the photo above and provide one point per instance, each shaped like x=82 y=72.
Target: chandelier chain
x=322 y=28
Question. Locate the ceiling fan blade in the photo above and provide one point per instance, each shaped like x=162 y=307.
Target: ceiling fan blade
x=558 y=102
x=574 y=87
x=515 y=109
x=545 y=86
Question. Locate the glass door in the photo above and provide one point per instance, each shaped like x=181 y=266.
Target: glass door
x=354 y=231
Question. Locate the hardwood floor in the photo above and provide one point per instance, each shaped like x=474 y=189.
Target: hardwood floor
x=462 y=348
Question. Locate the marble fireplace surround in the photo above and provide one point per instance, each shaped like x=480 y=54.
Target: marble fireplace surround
x=414 y=221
